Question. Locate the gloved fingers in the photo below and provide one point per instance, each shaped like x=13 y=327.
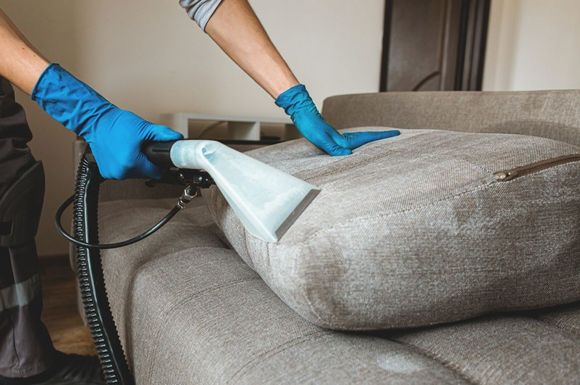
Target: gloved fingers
x=326 y=140
x=138 y=167
x=354 y=140
x=143 y=167
x=334 y=149
x=159 y=133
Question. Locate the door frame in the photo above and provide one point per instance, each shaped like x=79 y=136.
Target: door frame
x=471 y=44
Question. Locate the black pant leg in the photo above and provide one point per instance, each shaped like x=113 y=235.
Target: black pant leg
x=25 y=346
x=14 y=135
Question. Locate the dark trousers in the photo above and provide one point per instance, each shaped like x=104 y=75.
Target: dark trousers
x=25 y=346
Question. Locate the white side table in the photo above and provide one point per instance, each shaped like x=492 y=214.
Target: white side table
x=196 y=126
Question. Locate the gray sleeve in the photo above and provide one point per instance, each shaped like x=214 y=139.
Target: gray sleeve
x=200 y=10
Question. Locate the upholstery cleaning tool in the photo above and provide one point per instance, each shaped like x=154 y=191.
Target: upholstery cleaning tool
x=266 y=200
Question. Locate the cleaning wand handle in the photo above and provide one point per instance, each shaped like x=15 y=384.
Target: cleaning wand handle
x=159 y=153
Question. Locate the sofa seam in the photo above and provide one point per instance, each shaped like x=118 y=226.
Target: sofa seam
x=572 y=334
x=439 y=360
x=215 y=288
x=167 y=314
x=256 y=360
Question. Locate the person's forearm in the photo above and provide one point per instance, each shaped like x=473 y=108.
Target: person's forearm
x=20 y=63
x=236 y=29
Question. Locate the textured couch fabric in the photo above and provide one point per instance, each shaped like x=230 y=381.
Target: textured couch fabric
x=190 y=311
x=419 y=230
x=549 y=114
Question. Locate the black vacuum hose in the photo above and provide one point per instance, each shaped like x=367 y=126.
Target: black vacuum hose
x=91 y=279
x=90 y=270
x=158 y=153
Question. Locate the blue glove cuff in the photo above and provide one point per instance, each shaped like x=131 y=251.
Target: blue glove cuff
x=68 y=100
x=295 y=99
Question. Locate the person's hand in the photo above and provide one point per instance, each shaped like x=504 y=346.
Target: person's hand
x=298 y=104
x=114 y=135
x=116 y=144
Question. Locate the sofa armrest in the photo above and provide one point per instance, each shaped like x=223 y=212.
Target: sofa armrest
x=549 y=114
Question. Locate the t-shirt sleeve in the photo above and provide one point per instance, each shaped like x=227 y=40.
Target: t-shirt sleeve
x=200 y=10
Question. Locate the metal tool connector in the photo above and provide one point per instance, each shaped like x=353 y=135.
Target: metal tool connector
x=189 y=193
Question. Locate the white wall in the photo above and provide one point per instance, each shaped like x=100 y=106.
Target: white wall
x=147 y=56
x=533 y=44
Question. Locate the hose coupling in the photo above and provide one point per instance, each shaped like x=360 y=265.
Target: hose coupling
x=187 y=196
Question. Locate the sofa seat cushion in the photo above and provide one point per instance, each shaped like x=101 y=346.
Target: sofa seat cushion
x=428 y=227
x=190 y=311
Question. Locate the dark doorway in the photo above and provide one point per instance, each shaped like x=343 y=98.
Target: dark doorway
x=434 y=45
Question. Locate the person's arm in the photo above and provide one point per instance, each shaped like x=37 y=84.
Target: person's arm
x=236 y=29
x=20 y=63
x=114 y=135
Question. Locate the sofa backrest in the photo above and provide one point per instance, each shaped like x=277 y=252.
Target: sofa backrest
x=549 y=114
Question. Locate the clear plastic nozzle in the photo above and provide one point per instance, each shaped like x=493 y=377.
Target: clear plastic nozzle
x=266 y=200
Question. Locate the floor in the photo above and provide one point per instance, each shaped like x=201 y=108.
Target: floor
x=60 y=308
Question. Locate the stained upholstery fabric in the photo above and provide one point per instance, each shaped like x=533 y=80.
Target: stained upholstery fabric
x=190 y=311
x=418 y=230
x=484 y=349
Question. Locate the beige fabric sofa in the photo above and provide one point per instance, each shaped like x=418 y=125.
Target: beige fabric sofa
x=190 y=311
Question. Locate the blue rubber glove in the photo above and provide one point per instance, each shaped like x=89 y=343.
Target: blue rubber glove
x=115 y=135
x=298 y=104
